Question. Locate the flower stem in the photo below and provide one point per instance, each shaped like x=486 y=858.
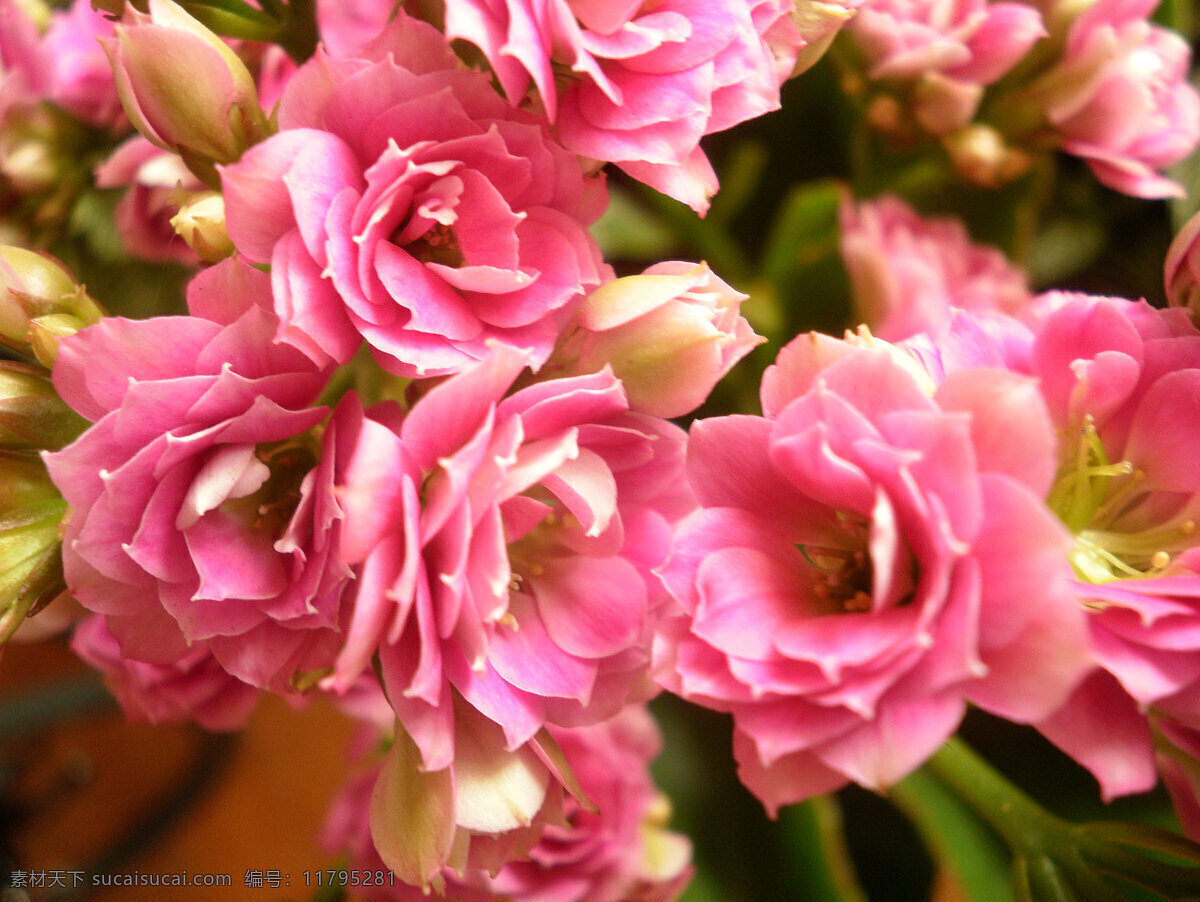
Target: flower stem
x=1023 y=824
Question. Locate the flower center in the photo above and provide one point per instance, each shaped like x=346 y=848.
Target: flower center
x=1120 y=533
x=438 y=245
x=270 y=508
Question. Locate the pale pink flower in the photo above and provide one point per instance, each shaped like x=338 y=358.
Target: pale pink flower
x=157 y=182
x=505 y=546
x=24 y=71
x=405 y=203
x=81 y=79
x=669 y=334
x=202 y=503
x=648 y=80
x=1120 y=99
x=614 y=850
x=869 y=556
x=949 y=49
x=907 y=273
x=190 y=688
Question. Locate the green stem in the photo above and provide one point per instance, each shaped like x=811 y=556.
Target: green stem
x=1023 y=824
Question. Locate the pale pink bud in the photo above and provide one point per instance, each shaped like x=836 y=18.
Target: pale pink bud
x=1181 y=270
x=183 y=87
x=669 y=335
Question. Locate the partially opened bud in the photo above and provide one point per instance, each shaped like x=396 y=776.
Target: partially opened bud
x=184 y=88
x=669 y=335
x=38 y=294
x=201 y=223
x=1181 y=269
x=30 y=546
x=818 y=22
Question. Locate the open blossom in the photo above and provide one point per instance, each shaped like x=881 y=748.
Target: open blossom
x=908 y=273
x=24 y=75
x=1120 y=99
x=648 y=80
x=869 y=556
x=506 y=548
x=949 y=49
x=81 y=79
x=202 y=502
x=614 y=850
x=1119 y=379
x=191 y=688
x=405 y=203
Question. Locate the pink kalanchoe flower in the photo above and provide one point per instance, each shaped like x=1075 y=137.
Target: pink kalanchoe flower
x=648 y=80
x=157 y=183
x=202 y=502
x=1179 y=764
x=949 y=49
x=505 y=548
x=24 y=72
x=869 y=556
x=1120 y=98
x=347 y=26
x=405 y=203
x=908 y=273
x=81 y=78
x=1119 y=379
x=193 y=687
x=615 y=850
x=669 y=335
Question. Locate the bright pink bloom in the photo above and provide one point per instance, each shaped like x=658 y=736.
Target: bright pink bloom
x=907 y=273
x=669 y=335
x=505 y=548
x=617 y=851
x=157 y=182
x=81 y=79
x=648 y=80
x=406 y=203
x=192 y=687
x=1119 y=379
x=1120 y=97
x=202 y=506
x=869 y=556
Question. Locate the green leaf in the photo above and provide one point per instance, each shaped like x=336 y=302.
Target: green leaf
x=233 y=19
x=958 y=840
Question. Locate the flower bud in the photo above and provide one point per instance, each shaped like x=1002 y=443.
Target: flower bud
x=817 y=22
x=184 y=88
x=981 y=155
x=1181 y=269
x=669 y=335
x=40 y=299
x=30 y=546
x=32 y=415
x=201 y=223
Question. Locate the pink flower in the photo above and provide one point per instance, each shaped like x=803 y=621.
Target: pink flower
x=907 y=273
x=616 y=850
x=669 y=335
x=347 y=26
x=648 y=80
x=798 y=32
x=969 y=40
x=1120 y=379
x=193 y=687
x=1120 y=98
x=868 y=557
x=950 y=49
x=157 y=184
x=406 y=203
x=505 y=548
x=1179 y=763
x=24 y=76
x=202 y=504
x=81 y=79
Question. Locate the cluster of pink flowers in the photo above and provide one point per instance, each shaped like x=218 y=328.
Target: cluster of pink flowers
x=410 y=446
